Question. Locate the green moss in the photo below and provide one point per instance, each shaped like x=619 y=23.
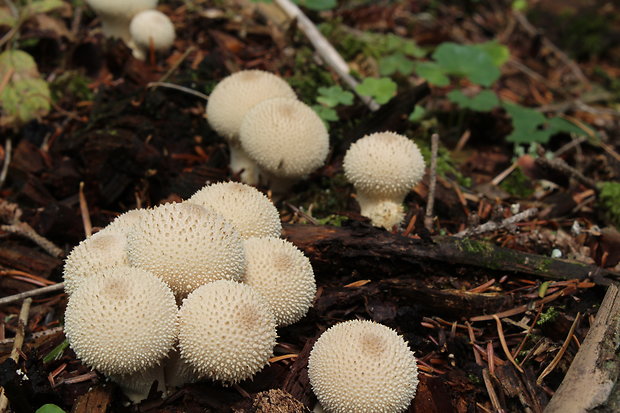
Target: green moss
x=547 y=316
x=609 y=200
x=518 y=185
x=475 y=247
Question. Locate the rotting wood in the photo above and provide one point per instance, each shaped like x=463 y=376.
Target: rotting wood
x=96 y=400
x=592 y=381
x=367 y=249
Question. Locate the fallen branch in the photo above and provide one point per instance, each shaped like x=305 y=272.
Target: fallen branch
x=371 y=251
x=32 y=293
x=428 y=216
x=493 y=225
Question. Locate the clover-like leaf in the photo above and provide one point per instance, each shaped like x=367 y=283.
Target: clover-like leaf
x=482 y=102
x=396 y=62
x=317 y=5
x=381 y=89
x=469 y=61
x=334 y=96
x=325 y=113
x=498 y=52
x=418 y=114
x=433 y=73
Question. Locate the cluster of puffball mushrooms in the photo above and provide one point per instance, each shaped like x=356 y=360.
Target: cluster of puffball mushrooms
x=137 y=23
x=195 y=290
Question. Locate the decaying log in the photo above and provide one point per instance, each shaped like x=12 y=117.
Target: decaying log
x=592 y=383
x=376 y=253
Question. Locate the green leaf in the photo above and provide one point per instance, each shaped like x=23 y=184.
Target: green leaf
x=396 y=62
x=432 y=72
x=557 y=125
x=394 y=43
x=381 y=89
x=498 y=52
x=41 y=6
x=56 y=352
x=325 y=113
x=469 y=61
x=50 y=408
x=334 y=96
x=482 y=102
x=418 y=114
x=524 y=118
x=25 y=95
x=317 y=5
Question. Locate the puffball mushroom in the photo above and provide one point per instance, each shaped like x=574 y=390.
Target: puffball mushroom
x=244 y=206
x=362 y=367
x=283 y=275
x=227 y=331
x=383 y=167
x=136 y=386
x=186 y=245
x=125 y=222
x=101 y=251
x=228 y=103
x=115 y=15
x=150 y=28
x=121 y=320
x=285 y=138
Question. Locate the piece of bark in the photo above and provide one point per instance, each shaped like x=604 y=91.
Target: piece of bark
x=522 y=386
x=374 y=253
x=96 y=400
x=592 y=382
x=297 y=383
x=277 y=401
x=30 y=260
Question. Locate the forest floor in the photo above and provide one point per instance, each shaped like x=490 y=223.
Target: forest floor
x=495 y=318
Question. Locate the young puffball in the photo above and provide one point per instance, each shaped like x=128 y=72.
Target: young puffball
x=286 y=139
x=228 y=103
x=150 y=28
x=226 y=331
x=115 y=15
x=362 y=367
x=383 y=167
x=244 y=206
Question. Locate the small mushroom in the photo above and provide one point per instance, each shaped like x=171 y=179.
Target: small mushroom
x=286 y=139
x=186 y=245
x=121 y=321
x=244 y=206
x=115 y=15
x=283 y=275
x=150 y=29
x=383 y=167
x=227 y=331
x=362 y=367
x=228 y=103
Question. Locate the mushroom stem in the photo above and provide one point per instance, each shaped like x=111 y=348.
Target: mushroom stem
x=382 y=212
x=137 y=386
x=279 y=185
x=242 y=164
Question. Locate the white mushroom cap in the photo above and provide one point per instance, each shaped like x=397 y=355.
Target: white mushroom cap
x=150 y=27
x=186 y=245
x=136 y=386
x=101 y=251
x=384 y=165
x=363 y=367
x=121 y=321
x=239 y=92
x=125 y=222
x=244 y=206
x=116 y=14
x=285 y=137
x=283 y=275
x=227 y=331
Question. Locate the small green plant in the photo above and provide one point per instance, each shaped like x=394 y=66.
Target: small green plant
x=547 y=316
x=609 y=197
x=49 y=408
x=317 y=5
x=328 y=99
x=380 y=89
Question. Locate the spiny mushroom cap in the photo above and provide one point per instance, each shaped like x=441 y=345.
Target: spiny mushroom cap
x=121 y=320
x=101 y=251
x=186 y=245
x=227 y=331
x=125 y=222
x=363 y=367
x=283 y=275
x=285 y=137
x=152 y=26
x=237 y=93
x=244 y=206
x=384 y=165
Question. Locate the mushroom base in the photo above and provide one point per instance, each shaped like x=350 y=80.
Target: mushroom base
x=385 y=213
x=241 y=164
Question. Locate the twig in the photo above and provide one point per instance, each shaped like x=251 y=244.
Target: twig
x=327 y=52
x=178 y=87
x=25 y=230
x=34 y=335
x=86 y=223
x=488 y=383
x=176 y=64
x=492 y=225
x=296 y=210
x=8 y=148
x=428 y=218
x=502 y=340
x=32 y=293
x=499 y=178
x=561 y=166
x=561 y=352
x=17 y=343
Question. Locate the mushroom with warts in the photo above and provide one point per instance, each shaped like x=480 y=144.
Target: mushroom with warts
x=283 y=275
x=121 y=320
x=362 y=367
x=244 y=206
x=226 y=331
x=228 y=103
x=150 y=29
x=116 y=15
x=186 y=245
x=286 y=139
x=383 y=167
